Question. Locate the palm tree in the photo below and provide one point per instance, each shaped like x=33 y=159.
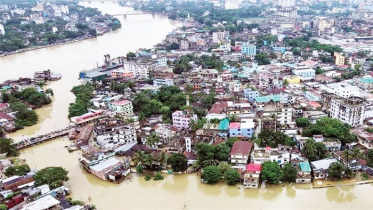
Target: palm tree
x=162 y=159
x=153 y=139
x=139 y=157
x=148 y=159
x=309 y=148
x=356 y=153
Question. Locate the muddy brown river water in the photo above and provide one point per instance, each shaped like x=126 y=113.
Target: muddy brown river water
x=176 y=191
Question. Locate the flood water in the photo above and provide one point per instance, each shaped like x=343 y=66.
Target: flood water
x=176 y=191
x=138 y=31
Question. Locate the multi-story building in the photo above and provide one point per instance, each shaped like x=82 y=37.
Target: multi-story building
x=242 y=130
x=184 y=44
x=123 y=107
x=252 y=175
x=240 y=153
x=232 y=4
x=348 y=110
x=305 y=73
x=217 y=37
x=365 y=83
x=286 y=114
x=112 y=133
x=312 y=96
x=182 y=119
x=339 y=59
x=248 y=49
x=250 y=94
x=121 y=73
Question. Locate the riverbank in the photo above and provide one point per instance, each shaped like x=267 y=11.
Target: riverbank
x=175 y=191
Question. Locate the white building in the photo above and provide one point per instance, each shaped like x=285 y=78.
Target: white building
x=286 y=115
x=232 y=4
x=217 y=37
x=182 y=119
x=2 y=30
x=304 y=72
x=124 y=107
x=163 y=82
x=349 y=111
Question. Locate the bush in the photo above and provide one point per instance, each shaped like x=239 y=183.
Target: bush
x=140 y=169
x=158 y=176
x=147 y=177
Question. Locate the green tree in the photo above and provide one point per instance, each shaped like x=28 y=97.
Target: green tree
x=302 y=122
x=130 y=55
x=221 y=152
x=178 y=162
x=223 y=166
x=138 y=157
x=211 y=174
x=3 y=207
x=231 y=141
x=205 y=154
x=271 y=172
x=335 y=170
x=290 y=173
x=139 y=169
x=17 y=170
x=153 y=139
x=158 y=176
x=232 y=177
x=7 y=146
x=53 y=176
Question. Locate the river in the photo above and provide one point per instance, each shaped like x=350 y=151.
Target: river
x=176 y=191
x=138 y=31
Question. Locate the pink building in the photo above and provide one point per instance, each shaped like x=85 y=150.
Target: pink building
x=182 y=119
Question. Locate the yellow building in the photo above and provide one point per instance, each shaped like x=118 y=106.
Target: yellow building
x=339 y=59
x=293 y=79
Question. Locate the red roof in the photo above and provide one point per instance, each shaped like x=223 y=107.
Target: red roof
x=5 y=116
x=253 y=167
x=234 y=125
x=3 y=105
x=241 y=148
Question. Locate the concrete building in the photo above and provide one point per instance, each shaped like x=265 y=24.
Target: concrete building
x=284 y=3
x=365 y=83
x=339 y=59
x=320 y=167
x=232 y=4
x=349 y=111
x=252 y=175
x=312 y=96
x=123 y=107
x=182 y=119
x=217 y=37
x=250 y=94
x=248 y=49
x=305 y=73
x=240 y=153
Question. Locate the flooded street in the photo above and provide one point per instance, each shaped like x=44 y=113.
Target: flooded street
x=138 y=31
x=176 y=191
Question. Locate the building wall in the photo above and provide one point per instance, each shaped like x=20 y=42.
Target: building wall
x=351 y=115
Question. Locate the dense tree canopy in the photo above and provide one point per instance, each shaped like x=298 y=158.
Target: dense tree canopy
x=7 y=146
x=178 y=162
x=19 y=170
x=53 y=176
x=232 y=177
x=329 y=127
x=271 y=172
x=273 y=139
x=290 y=173
x=211 y=174
x=335 y=170
x=83 y=93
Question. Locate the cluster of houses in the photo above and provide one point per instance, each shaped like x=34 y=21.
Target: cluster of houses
x=20 y=192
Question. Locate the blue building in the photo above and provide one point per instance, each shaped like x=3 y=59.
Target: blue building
x=250 y=94
x=279 y=49
x=248 y=49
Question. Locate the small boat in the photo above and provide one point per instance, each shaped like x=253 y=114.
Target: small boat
x=72 y=148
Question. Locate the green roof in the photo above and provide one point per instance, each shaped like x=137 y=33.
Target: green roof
x=224 y=124
x=276 y=98
x=305 y=166
x=367 y=80
x=265 y=99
